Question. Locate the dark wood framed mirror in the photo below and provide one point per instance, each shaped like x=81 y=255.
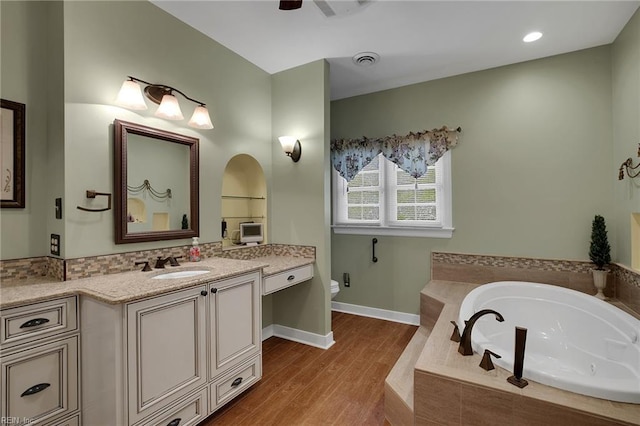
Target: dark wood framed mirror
x=156 y=186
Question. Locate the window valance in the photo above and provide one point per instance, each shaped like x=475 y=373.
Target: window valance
x=413 y=153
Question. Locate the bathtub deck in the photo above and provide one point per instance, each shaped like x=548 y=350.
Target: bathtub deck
x=452 y=389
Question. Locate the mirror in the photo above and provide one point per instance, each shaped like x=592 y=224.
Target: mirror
x=156 y=184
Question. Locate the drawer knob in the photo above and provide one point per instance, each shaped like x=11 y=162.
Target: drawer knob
x=34 y=322
x=214 y=290
x=204 y=292
x=236 y=382
x=35 y=389
x=174 y=422
x=291 y=277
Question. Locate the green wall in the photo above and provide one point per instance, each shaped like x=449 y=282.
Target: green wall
x=105 y=42
x=300 y=197
x=30 y=71
x=626 y=133
x=532 y=168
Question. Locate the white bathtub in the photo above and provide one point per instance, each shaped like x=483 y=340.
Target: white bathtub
x=574 y=342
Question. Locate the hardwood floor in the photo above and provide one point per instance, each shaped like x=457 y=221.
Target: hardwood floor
x=303 y=385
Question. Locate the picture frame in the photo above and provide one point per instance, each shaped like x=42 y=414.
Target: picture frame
x=12 y=154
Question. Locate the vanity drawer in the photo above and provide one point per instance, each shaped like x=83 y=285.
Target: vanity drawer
x=188 y=412
x=34 y=322
x=41 y=383
x=235 y=383
x=286 y=279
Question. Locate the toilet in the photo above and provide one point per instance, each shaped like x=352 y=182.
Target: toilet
x=335 y=288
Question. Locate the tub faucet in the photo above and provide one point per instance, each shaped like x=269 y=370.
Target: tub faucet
x=465 y=339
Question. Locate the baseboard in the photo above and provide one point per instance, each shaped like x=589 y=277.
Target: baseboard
x=300 y=336
x=365 y=311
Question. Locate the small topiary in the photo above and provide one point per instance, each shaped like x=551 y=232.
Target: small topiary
x=185 y=222
x=599 y=251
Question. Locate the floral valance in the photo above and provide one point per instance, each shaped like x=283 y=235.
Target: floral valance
x=413 y=153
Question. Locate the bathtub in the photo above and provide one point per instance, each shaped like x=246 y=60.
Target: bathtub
x=574 y=342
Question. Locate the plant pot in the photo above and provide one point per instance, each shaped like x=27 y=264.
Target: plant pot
x=600 y=282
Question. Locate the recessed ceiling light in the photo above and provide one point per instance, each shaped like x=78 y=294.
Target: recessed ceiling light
x=533 y=36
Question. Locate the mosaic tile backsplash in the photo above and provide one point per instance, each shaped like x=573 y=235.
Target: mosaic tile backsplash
x=623 y=283
x=84 y=267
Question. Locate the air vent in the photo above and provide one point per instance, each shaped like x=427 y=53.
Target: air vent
x=366 y=59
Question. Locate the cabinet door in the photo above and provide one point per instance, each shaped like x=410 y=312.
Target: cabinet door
x=41 y=383
x=166 y=349
x=234 y=317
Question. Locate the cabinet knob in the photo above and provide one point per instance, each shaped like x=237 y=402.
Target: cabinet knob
x=236 y=382
x=35 y=389
x=204 y=292
x=174 y=422
x=214 y=290
x=291 y=277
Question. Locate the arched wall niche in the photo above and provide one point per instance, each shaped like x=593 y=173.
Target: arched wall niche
x=244 y=197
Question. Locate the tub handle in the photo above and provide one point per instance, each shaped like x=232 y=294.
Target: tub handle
x=455 y=336
x=486 y=362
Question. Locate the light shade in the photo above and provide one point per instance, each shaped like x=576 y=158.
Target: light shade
x=200 y=118
x=291 y=146
x=287 y=143
x=169 y=108
x=130 y=96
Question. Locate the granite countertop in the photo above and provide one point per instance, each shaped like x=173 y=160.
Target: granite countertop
x=440 y=357
x=130 y=286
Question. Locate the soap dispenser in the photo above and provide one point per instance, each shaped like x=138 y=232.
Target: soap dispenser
x=194 y=251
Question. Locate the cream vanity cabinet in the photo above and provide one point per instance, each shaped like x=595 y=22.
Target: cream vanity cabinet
x=39 y=358
x=288 y=278
x=171 y=359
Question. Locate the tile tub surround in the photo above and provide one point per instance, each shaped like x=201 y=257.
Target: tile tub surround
x=623 y=284
x=123 y=287
x=453 y=389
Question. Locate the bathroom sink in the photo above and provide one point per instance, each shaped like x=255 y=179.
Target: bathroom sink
x=178 y=274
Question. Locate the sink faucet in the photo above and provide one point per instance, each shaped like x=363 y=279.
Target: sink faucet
x=465 y=339
x=160 y=262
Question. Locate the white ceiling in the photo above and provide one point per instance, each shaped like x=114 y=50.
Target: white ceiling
x=417 y=40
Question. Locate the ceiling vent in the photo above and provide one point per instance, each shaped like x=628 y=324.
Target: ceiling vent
x=332 y=8
x=366 y=59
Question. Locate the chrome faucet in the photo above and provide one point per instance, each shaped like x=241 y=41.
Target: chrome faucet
x=465 y=340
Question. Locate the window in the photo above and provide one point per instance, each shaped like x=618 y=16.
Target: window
x=385 y=200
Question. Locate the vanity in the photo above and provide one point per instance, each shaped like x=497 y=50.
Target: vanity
x=165 y=347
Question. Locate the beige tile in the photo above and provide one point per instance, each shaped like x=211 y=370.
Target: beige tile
x=395 y=410
x=629 y=295
x=464 y=273
x=437 y=399
x=530 y=412
x=420 y=421
x=430 y=309
x=482 y=406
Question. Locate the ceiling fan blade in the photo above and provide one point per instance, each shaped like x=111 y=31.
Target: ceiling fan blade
x=290 y=4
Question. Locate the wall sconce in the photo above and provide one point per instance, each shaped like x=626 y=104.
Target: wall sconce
x=130 y=96
x=628 y=164
x=291 y=147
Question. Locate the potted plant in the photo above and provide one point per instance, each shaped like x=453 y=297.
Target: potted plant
x=600 y=254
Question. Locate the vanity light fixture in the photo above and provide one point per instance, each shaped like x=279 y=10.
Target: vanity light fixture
x=291 y=147
x=130 y=97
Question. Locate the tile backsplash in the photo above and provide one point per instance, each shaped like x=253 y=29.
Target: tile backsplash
x=623 y=283
x=84 y=267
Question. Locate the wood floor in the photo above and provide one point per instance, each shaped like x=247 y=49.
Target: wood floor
x=303 y=385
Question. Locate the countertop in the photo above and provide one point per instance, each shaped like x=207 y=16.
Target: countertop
x=130 y=286
x=440 y=357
